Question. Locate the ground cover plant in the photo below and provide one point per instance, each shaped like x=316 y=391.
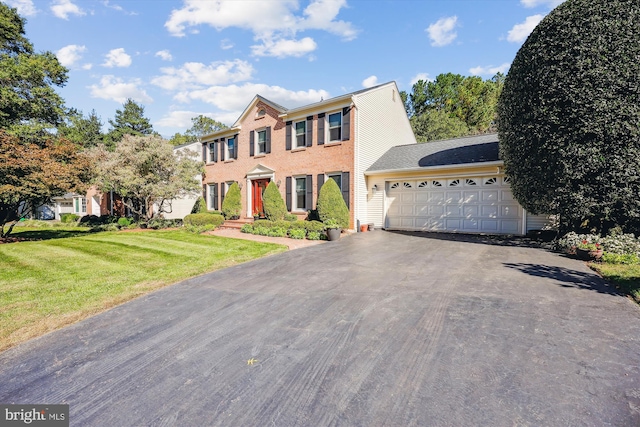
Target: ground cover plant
x=47 y=284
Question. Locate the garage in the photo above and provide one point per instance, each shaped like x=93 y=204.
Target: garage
x=482 y=204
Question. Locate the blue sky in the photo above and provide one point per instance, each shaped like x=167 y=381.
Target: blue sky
x=183 y=58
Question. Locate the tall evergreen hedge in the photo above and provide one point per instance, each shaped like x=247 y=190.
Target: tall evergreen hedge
x=232 y=206
x=569 y=116
x=331 y=204
x=274 y=207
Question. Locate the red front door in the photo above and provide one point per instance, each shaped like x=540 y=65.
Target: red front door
x=258 y=186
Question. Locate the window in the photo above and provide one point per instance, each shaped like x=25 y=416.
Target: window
x=80 y=205
x=213 y=196
x=300 y=196
x=260 y=114
x=301 y=134
x=262 y=141
x=335 y=127
x=84 y=204
x=212 y=152
x=337 y=177
x=230 y=149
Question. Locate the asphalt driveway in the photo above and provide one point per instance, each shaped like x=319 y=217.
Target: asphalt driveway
x=377 y=329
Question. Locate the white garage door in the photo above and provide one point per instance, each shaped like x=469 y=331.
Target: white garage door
x=478 y=205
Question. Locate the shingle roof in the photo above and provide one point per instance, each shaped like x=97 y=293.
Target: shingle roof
x=472 y=149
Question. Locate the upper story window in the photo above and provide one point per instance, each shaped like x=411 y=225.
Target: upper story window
x=261 y=141
x=335 y=127
x=301 y=134
x=212 y=152
x=337 y=177
x=229 y=148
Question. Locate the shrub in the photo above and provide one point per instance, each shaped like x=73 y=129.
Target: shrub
x=298 y=224
x=568 y=117
x=200 y=206
x=613 y=258
x=203 y=219
x=282 y=224
x=277 y=232
x=124 y=222
x=68 y=218
x=274 y=206
x=297 y=233
x=290 y=217
x=260 y=230
x=314 y=226
x=331 y=204
x=263 y=223
x=622 y=244
x=158 y=223
x=247 y=228
x=314 y=235
x=232 y=206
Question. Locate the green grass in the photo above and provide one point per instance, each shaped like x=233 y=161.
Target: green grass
x=625 y=276
x=47 y=284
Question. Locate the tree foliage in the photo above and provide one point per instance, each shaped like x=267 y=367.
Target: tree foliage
x=569 y=116
x=26 y=78
x=31 y=175
x=128 y=121
x=453 y=105
x=84 y=131
x=146 y=171
x=201 y=125
x=274 y=206
x=331 y=204
x=232 y=205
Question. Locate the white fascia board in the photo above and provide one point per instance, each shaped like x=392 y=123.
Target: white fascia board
x=498 y=163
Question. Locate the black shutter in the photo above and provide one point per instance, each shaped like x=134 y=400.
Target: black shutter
x=320 y=128
x=222 y=146
x=288 y=136
x=204 y=152
x=215 y=150
x=235 y=146
x=346 y=123
x=320 y=184
x=309 y=131
x=216 y=192
x=221 y=197
x=267 y=144
x=309 y=199
x=288 y=188
x=251 y=143
x=345 y=187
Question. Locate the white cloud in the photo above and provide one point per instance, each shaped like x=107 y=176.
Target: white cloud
x=165 y=55
x=115 y=89
x=236 y=98
x=442 y=32
x=226 y=44
x=535 y=3
x=370 y=81
x=273 y=22
x=520 y=32
x=63 y=8
x=197 y=74
x=117 y=58
x=420 y=76
x=117 y=7
x=70 y=54
x=489 y=70
x=87 y=66
x=25 y=7
x=282 y=48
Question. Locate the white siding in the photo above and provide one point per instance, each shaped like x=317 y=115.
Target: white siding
x=375 y=202
x=380 y=123
x=539 y=222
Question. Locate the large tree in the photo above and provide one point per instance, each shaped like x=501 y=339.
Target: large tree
x=128 y=121
x=84 y=131
x=146 y=171
x=30 y=175
x=27 y=78
x=569 y=116
x=201 y=125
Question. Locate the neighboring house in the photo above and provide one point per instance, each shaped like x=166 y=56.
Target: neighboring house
x=454 y=185
x=94 y=202
x=300 y=148
x=182 y=206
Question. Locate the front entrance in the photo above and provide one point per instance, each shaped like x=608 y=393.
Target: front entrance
x=257 y=190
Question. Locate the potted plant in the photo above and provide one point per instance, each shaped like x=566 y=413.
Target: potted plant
x=589 y=251
x=333 y=229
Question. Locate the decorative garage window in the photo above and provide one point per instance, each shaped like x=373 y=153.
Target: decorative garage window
x=423 y=184
x=436 y=183
x=469 y=182
x=406 y=185
x=490 y=181
x=506 y=180
x=395 y=185
x=454 y=183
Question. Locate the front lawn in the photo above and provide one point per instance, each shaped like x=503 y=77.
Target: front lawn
x=624 y=276
x=47 y=284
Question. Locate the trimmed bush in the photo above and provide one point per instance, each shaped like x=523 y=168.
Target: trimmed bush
x=124 y=222
x=290 y=217
x=273 y=204
x=203 y=219
x=263 y=223
x=298 y=225
x=232 y=206
x=277 y=232
x=260 y=230
x=315 y=235
x=247 y=228
x=68 y=218
x=314 y=226
x=331 y=204
x=200 y=206
x=297 y=233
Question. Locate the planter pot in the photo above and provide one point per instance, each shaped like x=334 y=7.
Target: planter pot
x=364 y=228
x=333 y=234
x=370 y=227
x=588 y=255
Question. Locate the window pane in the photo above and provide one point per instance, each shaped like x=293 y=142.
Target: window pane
x=262 y=138
x=300 y=128
x=230 y=143
x=335 y=120
x=337 y=179
x=335 y=134
x=212 y=196
x=212 y=149
x=301 y=193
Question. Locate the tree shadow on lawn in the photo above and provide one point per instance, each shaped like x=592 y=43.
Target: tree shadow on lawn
x=48 y=234
x=567 y=277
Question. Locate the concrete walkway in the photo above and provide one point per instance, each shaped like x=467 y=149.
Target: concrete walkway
x=377 y=329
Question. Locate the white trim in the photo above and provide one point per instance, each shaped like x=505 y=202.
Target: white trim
x=426 y=169
x=294 y=143
x=327 y=127
x=294 y=194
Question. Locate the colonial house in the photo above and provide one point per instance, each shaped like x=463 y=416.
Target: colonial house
x=300 y=148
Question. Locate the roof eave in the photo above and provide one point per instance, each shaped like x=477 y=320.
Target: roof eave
x=435 y=168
